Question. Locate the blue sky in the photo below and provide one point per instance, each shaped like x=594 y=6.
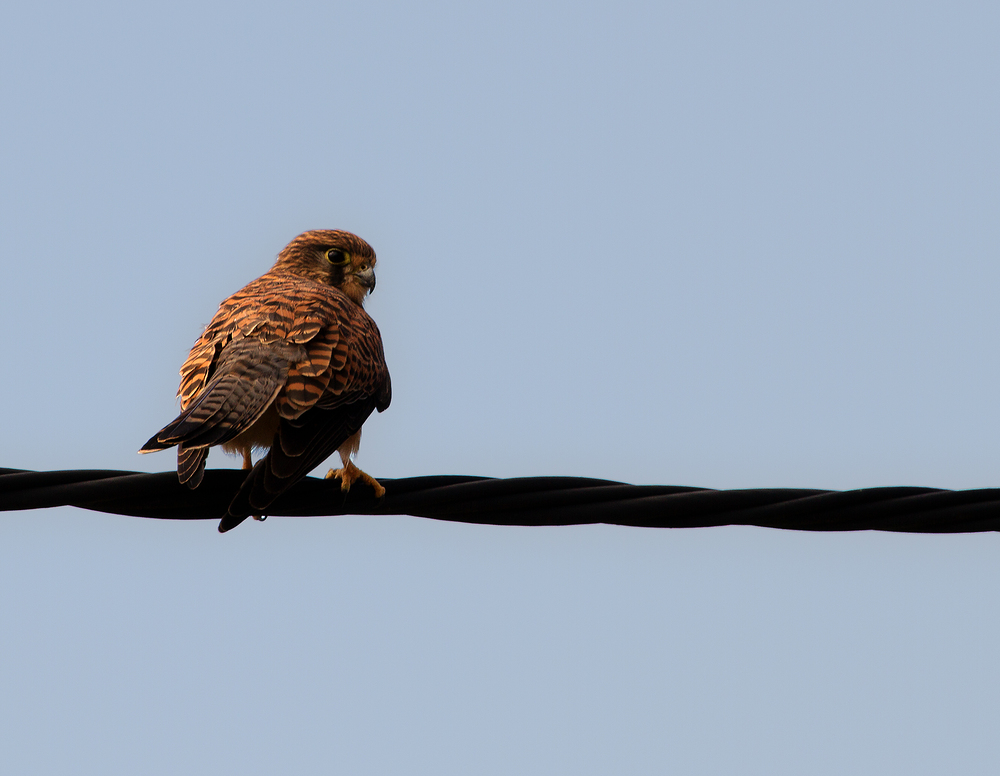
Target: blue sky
x=708 y=244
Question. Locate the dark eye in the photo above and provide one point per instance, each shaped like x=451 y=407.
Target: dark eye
x=337 y=256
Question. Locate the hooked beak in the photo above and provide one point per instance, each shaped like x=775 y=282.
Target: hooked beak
x=367 y=278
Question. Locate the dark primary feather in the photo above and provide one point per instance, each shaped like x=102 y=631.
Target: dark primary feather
x=245 y=383
x=300 y=446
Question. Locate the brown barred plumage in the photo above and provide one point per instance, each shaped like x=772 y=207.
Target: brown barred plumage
x=290 y=363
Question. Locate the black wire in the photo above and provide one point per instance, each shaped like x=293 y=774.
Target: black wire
x=519 y=501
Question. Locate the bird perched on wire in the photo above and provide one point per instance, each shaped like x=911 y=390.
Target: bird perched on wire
x=290 y=363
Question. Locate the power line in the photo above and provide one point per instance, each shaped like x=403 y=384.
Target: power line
x=519 y=501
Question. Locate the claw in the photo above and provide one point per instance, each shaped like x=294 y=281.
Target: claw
x=351 y=474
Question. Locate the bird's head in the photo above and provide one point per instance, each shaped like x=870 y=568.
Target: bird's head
x=331 y=256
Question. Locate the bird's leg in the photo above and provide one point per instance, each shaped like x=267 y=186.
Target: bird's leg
x=350 y=473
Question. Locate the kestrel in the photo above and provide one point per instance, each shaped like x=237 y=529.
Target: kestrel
x=291 y=363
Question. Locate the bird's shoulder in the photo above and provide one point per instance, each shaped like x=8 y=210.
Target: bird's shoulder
x=280 y=309
x=279 y=304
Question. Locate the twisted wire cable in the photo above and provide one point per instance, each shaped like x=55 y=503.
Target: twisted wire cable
x=524 y=501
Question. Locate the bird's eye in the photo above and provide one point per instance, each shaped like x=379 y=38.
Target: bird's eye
x=337 y=256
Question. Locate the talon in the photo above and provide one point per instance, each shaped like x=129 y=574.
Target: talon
x=341 y=474
x=376 y=486
x=351 y=474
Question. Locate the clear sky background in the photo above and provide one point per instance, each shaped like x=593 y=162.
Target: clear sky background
x=689 y=243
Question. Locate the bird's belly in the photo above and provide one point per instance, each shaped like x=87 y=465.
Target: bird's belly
x=259 y=436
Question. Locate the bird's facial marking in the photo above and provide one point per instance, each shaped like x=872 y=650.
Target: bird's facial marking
x=333 y=257
x=338 y=257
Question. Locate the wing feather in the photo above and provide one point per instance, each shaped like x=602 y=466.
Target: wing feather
x=318 y=414
x=298 y=449
x=245 y=383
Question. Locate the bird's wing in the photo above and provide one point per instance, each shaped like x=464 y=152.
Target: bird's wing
x=300 y=446
x=326 y=400
x=245 y=381
x=236 y=370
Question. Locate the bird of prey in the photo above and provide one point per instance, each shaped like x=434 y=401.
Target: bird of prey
x=291 y=363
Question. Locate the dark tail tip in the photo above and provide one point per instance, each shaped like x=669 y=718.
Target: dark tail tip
x=229 y=522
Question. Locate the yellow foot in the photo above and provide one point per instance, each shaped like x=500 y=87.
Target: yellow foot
x=350 y=474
